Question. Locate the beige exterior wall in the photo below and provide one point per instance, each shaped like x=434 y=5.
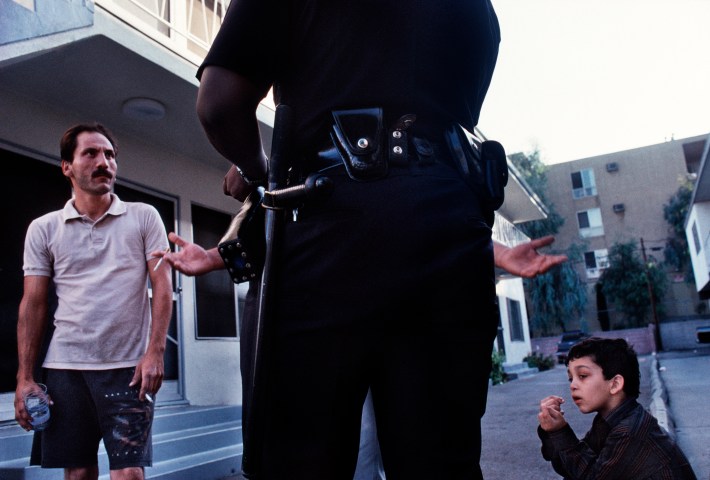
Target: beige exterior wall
x=643 y=182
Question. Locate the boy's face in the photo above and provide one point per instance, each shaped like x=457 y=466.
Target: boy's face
x=590 y=391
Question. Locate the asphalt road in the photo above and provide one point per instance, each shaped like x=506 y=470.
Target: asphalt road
x=685 y=378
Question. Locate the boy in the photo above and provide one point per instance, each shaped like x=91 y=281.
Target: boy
x=625 y=441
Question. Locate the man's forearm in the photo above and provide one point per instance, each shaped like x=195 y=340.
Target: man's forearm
x=30 y=331
x=498 y=250
x=161 y=312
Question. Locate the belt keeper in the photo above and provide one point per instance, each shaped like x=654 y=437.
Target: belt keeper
x=398 y=140
x=398 y=147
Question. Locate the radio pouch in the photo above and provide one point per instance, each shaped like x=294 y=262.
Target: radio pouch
x=243 y=246
x=359 y=137
x=483 y=165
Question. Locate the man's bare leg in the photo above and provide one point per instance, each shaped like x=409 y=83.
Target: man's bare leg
x=82 y=473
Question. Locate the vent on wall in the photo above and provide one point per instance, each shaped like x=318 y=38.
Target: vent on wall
x=612 y=167
x=619 y=208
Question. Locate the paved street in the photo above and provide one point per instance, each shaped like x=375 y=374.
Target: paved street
x=687 y=381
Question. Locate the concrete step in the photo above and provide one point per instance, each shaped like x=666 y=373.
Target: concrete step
x=188 y=443
x=518 y=370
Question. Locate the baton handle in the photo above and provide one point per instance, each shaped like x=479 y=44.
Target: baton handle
x=253 y=428
x=280 y=144
x=316 y=186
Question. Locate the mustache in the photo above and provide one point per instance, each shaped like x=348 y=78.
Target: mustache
x=101 y=173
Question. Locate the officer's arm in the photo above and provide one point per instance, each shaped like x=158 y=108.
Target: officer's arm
x=226 y=106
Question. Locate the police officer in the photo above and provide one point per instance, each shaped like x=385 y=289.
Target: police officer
x=388 y=284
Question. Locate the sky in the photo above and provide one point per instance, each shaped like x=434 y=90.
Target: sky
x=579 y=78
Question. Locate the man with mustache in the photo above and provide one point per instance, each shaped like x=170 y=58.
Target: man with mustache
x=104 y=364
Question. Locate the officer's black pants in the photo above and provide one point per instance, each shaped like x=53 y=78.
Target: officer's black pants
x=388 y=284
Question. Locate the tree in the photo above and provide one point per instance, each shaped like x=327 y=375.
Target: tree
x=558 y=298
x=626 y=283
x=534 y=172
x=676 y=252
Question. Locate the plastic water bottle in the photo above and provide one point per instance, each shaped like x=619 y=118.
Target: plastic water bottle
x=37 y=405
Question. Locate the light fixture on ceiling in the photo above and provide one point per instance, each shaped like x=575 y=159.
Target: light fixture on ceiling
x=142 y=108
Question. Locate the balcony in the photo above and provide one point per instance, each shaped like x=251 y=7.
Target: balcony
x=94 y=58
x=186 y=27
x=507 y=233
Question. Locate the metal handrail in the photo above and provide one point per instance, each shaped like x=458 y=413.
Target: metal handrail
x=187 y=27
x=507 y=233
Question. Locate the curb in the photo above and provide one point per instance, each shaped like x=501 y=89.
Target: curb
x=659 y=399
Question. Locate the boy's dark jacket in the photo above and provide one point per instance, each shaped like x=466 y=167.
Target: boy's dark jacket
x=628 y=444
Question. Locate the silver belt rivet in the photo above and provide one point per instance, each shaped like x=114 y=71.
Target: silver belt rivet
x=397 y=134
x=397 y=150
x=363 y=143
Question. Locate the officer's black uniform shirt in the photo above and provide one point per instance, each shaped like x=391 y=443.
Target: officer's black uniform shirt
x=432 y=58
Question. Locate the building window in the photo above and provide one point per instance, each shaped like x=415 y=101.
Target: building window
x=515 y=321
x=696 y=239
x=596 y=261
x=215 y=302
x=590 y=223
x=583 y=183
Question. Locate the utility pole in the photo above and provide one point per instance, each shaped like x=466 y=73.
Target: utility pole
x=659 y=343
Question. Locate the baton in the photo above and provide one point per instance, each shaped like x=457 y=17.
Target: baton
x=275 y=200
x=277 y=169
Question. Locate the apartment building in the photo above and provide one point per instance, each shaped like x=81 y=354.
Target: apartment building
x=619 y=197
x=697 y=226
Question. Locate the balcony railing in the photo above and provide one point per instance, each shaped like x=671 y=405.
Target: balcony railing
x=187 y=27
x=507 y=233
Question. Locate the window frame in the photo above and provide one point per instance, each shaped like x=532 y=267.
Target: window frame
x=594 y=223
x=583 y=183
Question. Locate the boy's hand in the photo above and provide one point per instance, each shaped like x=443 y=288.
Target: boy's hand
x=551 y=416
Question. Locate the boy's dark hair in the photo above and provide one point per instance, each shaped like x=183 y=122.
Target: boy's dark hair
x=614 y=356
x=67 y=144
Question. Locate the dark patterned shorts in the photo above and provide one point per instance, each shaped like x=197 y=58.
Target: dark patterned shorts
x=90 y=406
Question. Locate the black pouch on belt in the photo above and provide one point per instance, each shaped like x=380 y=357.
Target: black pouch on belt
x=482 y=164
x=359 y=136
x=243 y=246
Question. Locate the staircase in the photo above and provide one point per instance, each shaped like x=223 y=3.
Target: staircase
x=189 y=443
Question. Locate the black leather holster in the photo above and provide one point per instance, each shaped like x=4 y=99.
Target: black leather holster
x=483 y=165
x=243 y=246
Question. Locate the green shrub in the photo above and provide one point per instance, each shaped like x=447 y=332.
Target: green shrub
x=542 y=362
x=498 y=375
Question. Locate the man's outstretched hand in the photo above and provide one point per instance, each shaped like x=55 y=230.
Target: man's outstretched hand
x=524 y=260
x=191 y=259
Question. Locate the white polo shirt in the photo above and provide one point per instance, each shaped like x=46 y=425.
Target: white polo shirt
x=101 y=278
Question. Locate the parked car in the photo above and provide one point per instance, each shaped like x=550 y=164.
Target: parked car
x=566 y=341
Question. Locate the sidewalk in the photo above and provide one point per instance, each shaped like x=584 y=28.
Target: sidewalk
x=680 y=398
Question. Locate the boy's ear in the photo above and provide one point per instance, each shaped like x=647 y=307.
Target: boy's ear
x=617 y=384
